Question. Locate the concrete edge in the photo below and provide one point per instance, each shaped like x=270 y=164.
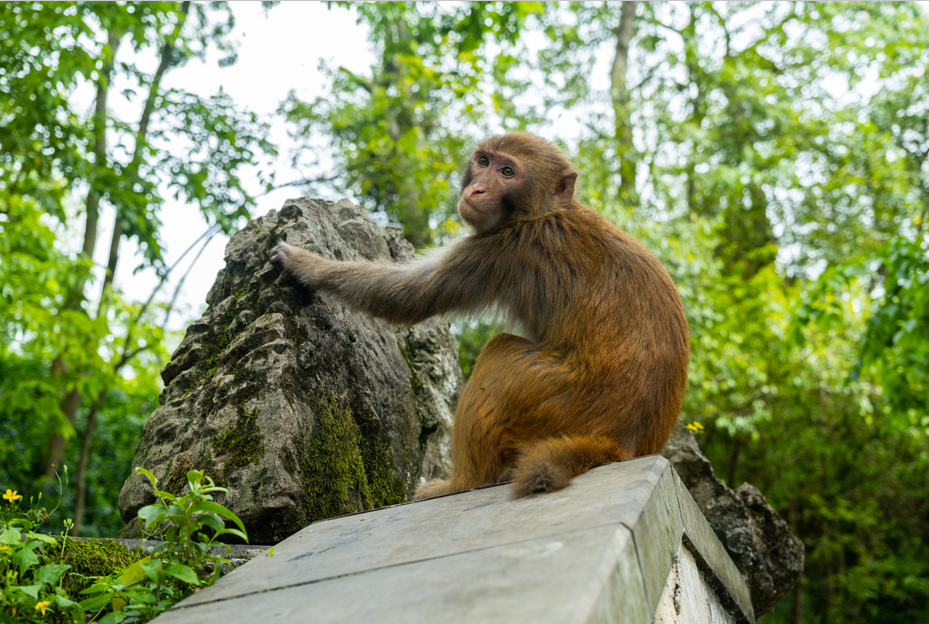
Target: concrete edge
x=657 y=533
x=699 y=538
x=669 y=521
x=616 y=586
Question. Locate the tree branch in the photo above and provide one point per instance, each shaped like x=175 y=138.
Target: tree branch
x=132 y=170
x=209 y=233
x=180 y=283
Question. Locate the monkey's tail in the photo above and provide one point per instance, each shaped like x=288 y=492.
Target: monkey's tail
x=551 y=463
x=431 y=489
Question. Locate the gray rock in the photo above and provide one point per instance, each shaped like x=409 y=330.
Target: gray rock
x=756 y=538
x=301 y=408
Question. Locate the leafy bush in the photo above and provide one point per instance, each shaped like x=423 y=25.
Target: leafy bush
x=33 y=578
x=30 y=573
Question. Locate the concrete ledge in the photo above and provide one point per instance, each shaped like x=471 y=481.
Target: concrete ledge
x=605 y=549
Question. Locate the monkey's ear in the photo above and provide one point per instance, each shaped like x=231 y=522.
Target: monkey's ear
x=564 y=191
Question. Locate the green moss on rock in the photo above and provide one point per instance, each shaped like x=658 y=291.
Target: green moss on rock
x=242 y=442
x=343 y=471
x=93 y=558
x=177 y=478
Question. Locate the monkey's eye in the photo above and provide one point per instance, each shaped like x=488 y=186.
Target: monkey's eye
x=482 y=161
x=508 y=172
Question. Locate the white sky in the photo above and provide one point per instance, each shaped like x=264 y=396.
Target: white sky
x=277 y=53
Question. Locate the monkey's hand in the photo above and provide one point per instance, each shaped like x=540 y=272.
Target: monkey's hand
x=304 y=265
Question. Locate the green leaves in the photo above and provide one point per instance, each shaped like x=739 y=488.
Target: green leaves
x=896 y=342
x=206 y=506
x=189 y=525
x=400 y=131
x=66 y=343
x=181 y=573
x=26 y=557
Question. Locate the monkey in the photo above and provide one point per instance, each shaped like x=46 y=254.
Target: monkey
x=596 y=367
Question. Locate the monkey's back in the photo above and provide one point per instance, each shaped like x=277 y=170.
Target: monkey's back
x=594 y=294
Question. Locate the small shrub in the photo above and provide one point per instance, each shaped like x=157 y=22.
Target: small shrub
x=178 y=567
x=33 y=585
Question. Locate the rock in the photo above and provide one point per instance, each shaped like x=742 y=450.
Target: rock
x=301 y=408
x=754 y=535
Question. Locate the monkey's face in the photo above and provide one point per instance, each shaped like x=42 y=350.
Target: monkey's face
x=514 y=175
x=490 y=189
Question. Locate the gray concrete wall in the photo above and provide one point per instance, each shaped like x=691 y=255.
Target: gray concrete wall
x=609 y=548
x=688 y=598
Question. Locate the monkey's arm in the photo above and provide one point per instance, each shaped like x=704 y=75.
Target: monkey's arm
x=402 y=294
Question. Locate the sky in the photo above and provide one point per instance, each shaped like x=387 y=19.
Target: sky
x=279 y=50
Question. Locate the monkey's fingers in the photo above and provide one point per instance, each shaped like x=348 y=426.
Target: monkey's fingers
x=282 y=253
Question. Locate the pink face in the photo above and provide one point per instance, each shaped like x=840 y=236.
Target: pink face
x=492 y=178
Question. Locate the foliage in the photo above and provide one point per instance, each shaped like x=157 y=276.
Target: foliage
x=181 y=564
x=31 y=574
x=399 y=134
x=36 y=585
x=23 y=429
x=72 y=357
x=896 y=343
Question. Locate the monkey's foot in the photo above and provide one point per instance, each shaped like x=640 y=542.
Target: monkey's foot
x=431 y=489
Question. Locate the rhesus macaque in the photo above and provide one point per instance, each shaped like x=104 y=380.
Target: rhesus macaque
x=598 y=369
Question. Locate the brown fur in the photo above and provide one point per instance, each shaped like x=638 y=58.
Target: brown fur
x=550 y=463
x=600 y=371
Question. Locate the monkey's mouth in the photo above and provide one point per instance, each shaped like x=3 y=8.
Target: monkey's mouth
x=471 y=214
x=464 y=204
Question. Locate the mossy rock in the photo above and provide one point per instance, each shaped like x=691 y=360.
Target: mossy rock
x=90 y=558
x=300 y=407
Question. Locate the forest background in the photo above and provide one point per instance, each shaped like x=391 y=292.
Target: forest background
x=772 y=155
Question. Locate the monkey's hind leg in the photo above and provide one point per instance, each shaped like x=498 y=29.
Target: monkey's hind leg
x=431 y=489
x=551 y=463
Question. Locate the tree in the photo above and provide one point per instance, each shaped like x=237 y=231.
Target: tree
x=60 y=169
x=398 y=133
x=756 y=171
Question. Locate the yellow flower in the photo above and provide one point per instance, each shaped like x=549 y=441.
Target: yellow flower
x=695 y=426
x=40 y=606
x=4 y=547
x=11 y=495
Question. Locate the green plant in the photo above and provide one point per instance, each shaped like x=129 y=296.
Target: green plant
x=178 y=566
x=30 y=575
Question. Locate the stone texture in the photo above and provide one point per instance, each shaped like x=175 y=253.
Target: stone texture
x=617 y=588
x=478 y=556
x=687 y=599
x=301 y=408
x=658 y=535
x=720 y=572
x=756 y=538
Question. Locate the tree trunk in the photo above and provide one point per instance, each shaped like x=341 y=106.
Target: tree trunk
x=796 y=605
x=55 y=449
x=81 y=491
x=620 y=94
x=141 y=138
x=72 y=400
